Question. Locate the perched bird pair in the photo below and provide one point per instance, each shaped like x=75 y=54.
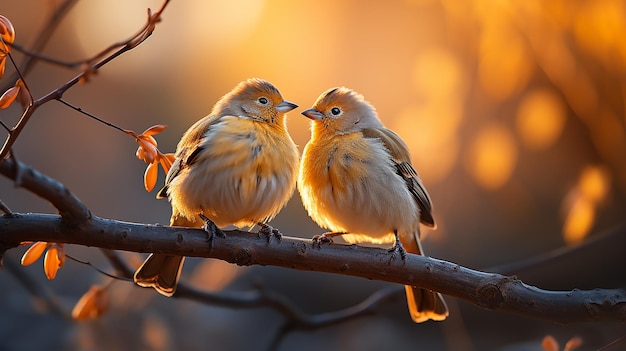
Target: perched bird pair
x=239 y=166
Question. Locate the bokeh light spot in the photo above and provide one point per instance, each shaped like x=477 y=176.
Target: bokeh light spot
x=492 y=156
x=540 y=119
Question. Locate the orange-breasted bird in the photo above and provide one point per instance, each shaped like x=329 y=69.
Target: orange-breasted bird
x=356 y=179
x=238 y=165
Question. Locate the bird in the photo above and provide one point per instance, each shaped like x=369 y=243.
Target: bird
x=356 y=179
x=236 y=166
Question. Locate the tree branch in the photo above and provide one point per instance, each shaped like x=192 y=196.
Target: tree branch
x=490 y=291
x=487 y=290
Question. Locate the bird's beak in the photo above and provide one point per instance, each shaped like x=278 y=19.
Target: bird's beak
x=285 y=106
x=313 y=114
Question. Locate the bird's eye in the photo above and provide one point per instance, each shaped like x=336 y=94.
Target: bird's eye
x=263 y=100
x=335 y=111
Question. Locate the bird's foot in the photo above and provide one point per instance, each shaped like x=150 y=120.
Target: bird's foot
x=268 y=231
x=211 y=229
x=326 y=238
x=398 y=249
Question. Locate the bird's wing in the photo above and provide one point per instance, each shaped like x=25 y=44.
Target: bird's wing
x=402 y=160
x=188 y=149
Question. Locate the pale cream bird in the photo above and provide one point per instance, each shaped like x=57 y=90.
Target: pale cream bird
x=236 y=166
x=356 y=179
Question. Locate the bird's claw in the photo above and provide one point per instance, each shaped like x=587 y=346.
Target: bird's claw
x=318 y=240
x=268 y=231
x=211 y=229
x=398 y=248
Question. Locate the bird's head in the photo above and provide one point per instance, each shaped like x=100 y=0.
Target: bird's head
x=256 y=99
x=342 y=111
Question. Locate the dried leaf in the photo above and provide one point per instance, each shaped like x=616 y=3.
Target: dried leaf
x=8 y=97
x=61 y=254
x=149 y=138
x=150 y=177
x=147 y=151
x=7 y=32
x=156 y=129
x=33 y=253
x=550 y=344
x=25 y=98
x=93 y=304
x=166 y=161
x=3 y=61
x=573 y=343
x=51 y=263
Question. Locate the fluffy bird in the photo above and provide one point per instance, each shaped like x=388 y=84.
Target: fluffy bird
x=238 y=165
x=356 y=179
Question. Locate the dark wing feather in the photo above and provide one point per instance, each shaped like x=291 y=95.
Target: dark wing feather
x=402 y=160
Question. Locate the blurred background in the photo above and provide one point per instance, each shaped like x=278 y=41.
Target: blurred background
x=514 y=112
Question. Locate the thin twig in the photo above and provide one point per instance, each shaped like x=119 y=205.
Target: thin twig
x=79 y=109
x=35 y=288
x=111 y=53
x=294 y=318
x=87 y=263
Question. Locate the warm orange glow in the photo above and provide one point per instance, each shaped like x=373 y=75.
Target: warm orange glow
x=93 y=304
x=430 y=132
x=599 y=28
x=504 y=65
x=540 y=119
x=594 y=183
x=579 y=221
x=214 y=275
x=431 y=128
x=492 y=157
x=582 y=201
x=437 y=74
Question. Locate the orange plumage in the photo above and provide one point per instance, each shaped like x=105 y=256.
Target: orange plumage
x=356 y=179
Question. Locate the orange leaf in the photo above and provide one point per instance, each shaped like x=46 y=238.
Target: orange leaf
x=150 y=177
x=146 y=151
x=3 y=60
x=51 y=263
x=33 y=253
x=148 y=138
x=7 y=32
x=8 y=97
x=550 y=344
x=24 y=94
x=166 y=162
x=156 y=129
x=61 y=254
x=93 y=304
x=573 y=343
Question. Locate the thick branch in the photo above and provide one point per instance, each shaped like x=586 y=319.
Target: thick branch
x=490 y=291
x=68 y=205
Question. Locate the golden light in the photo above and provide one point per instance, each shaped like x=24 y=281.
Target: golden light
x=186 y=27
x=594 y=183
x=505 y=63
x=581 y=203
x=599 y=28
x=430 y=132
x=437 y=74
x=492 y=156
x=578 y=221
x=435 y=121
x=214 y=275
x=540 y=119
